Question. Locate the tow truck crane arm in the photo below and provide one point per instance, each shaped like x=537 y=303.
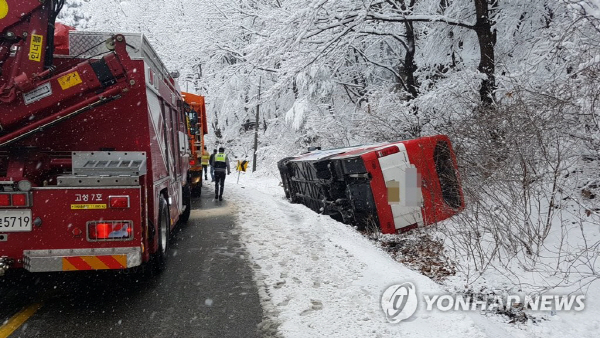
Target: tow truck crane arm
x=32 y=95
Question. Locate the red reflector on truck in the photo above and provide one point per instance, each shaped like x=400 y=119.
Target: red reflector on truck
x=192 y=162
x=110 y=230
x=4 y=200
x=118 y=201
x=19 y=200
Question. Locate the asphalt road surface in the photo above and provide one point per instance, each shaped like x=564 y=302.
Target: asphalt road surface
x=206 y=290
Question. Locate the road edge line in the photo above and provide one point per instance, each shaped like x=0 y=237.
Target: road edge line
x=18 y=319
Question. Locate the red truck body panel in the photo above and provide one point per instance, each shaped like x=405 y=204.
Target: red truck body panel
x=66 y=228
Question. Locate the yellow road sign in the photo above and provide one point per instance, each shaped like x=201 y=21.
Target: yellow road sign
x=242 y=165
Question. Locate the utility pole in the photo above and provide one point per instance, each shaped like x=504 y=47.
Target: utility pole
x=256 y=127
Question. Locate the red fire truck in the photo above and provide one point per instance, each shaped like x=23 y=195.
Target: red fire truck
x=94 y=150
x=393 y=187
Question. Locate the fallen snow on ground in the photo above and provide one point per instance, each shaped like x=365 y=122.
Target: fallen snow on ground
x=321 y=278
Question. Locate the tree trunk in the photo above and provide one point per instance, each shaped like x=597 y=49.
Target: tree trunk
x=487 y=42
x=409 y=61
x=256 y=121
x=410 y=67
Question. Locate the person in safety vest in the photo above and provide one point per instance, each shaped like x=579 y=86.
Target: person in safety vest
x=221 y=164
x=211 y=161
x=205 y=158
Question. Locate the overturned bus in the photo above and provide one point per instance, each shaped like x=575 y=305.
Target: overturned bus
x=395 y=186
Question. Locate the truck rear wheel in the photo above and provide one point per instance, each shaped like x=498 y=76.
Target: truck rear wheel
x=197 y=190
x=187 y=203
x=164 y=234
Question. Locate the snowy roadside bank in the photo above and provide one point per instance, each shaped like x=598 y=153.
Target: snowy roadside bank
x=322 y=278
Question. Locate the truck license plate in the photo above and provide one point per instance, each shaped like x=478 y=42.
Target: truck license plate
x=15 y=220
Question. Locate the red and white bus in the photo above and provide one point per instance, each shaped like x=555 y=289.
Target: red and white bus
x=394 y=186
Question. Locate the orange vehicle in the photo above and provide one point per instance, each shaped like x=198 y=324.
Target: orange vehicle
x=197 y=128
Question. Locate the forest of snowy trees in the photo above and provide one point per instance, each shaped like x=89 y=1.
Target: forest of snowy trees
x=513 y=83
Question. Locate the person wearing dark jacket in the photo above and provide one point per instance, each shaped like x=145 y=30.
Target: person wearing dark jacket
x=211 y=161
x=221 y=165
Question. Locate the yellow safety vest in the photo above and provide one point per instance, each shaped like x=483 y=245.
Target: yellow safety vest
x=220 y=162
x=205 y=157
x=220 y=157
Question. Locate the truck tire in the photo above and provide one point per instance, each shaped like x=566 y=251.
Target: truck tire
x=187 y=203
x=196 y=190
x=164 y=235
